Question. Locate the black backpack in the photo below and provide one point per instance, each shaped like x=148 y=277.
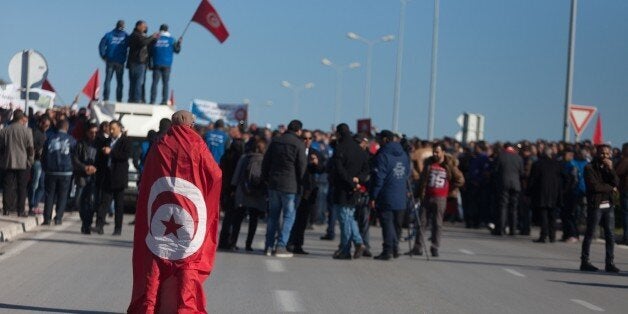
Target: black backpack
x=253 y=174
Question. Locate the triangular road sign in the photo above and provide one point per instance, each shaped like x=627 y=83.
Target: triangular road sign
x=579 y=116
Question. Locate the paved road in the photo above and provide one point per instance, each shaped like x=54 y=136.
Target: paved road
x=58 y=270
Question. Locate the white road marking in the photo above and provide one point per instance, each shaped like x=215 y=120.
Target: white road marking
x=588 y=305
x=288 y=301
x=28 y=243
x=463 y=251
x=514 y=272
x=274 y=266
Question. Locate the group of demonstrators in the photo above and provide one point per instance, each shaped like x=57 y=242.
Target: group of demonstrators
x=299 y=177
x=140 y=53
x=62 y=158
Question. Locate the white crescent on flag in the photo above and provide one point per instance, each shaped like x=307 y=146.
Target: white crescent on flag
x=173 y=234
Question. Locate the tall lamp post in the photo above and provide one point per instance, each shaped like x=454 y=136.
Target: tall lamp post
x=432 y=108
x=570 y=60
x=402 y=21
x=369 y=64
x=296 y=90
x=339 y=71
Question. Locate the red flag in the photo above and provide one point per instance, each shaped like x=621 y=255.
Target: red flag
x=92 y=88
x=598 y=137
x=47 y=86
x=171 y=100
x=176 y=225
x=207 y=16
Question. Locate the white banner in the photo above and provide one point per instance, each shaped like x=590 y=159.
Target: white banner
x=207 y=112
x=39 y=99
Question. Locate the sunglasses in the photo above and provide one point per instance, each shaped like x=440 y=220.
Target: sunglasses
x=306 y=138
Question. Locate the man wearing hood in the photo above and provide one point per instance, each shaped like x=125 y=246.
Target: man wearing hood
x=390 y=174
x=438 y=177
x=349 y=171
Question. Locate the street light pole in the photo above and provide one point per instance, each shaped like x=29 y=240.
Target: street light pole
x=402 y=21
x=339 y=73
x=432 y=108
x=369 y=66
x=295 y=94
x=570 y=66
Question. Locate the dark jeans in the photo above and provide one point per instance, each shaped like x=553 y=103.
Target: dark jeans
x=162 y=73
x=624 y=210
x=362 y=216
x=391 y=221
x=568 y=217
x=606 y=217
x=433 y=210
x=105 y=203
x=118 y=68
x=548 y=223
x=36 y=185
x=88 y=202
x=297 y=234
x=331 y=214
x=14 y=190
x=137 y=72
x=230 y=227
x=477 y=207
x=508 y=201
x=57 y=188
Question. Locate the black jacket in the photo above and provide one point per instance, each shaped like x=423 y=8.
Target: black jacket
x=349 y=161
x=84 y=156
x=138 y=48
x=285 y=163
x=310 y=188
x=547 y=183
x=39 y=138
x=600 y=182
x=115 y=166
x=509 y=170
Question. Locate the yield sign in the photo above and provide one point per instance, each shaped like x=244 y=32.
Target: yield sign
x=580 y=117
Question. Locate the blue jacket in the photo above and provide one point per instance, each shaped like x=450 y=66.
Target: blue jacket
x=57 y=155
x=389 y=177
x=217 y=141
x=579 y=165
x=113 y=46
x=163 y=50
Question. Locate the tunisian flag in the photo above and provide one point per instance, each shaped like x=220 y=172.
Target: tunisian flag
x=47 y=86
x=598 y=136
x=92 y=88
x=175 y=225
x=207 y=16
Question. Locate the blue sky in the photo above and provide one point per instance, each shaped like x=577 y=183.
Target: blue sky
x=505 y=59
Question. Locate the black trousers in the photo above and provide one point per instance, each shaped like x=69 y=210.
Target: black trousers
x=105 y=203
x=391 y=221
x=568 y=217
x=231 y=231
x=508 y=204
x=14 y=190
x=605 y=217
x=297 y=234
x=548 y=223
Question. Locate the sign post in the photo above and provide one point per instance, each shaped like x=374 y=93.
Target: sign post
x=580 y=116
x=29 y=69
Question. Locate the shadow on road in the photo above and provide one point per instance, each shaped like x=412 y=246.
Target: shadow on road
x=47 y=309
x=591 y=284
x=116 y=243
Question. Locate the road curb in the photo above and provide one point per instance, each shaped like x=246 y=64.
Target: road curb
x=11 y=227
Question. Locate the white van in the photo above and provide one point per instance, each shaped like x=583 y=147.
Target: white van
x=137 y=120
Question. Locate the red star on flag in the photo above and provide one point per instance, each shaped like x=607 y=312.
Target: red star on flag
x=171 y=227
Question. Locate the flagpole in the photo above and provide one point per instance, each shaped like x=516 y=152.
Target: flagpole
x=186 y=28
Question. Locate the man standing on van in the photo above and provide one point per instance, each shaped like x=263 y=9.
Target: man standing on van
x=113 y=48
x=138 y=58
x=162 y=52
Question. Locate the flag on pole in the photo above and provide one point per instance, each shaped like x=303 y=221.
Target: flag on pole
x=92 y=88
x=171 y=99
x=47 y=86
x=598 y=136
x=176 y=225
x=208 y=17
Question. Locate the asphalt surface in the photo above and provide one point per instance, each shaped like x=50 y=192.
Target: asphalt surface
x=58 y=270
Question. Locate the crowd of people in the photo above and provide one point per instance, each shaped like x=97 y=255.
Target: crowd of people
x=295 y=178
x=301 y=177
